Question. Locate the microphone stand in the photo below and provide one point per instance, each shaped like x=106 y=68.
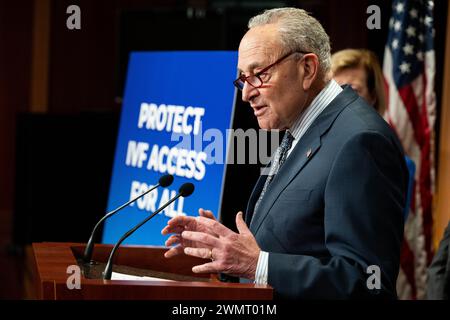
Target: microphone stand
x=108 y=269
x=87 y=256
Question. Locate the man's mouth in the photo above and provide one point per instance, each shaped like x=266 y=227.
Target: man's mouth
x=259 y=110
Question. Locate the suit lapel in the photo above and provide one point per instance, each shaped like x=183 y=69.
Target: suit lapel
x=303 y=152
x=294 y=163
x=254 y=197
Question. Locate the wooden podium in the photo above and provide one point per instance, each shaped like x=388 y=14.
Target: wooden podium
x=51 y=262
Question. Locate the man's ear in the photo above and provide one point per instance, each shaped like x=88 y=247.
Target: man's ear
x=311 y=62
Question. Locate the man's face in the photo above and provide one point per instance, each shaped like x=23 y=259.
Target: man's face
x=279 y=101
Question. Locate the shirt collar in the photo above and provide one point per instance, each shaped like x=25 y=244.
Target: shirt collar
x=319 y=103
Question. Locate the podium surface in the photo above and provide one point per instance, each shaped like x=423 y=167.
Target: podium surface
x=56 y=265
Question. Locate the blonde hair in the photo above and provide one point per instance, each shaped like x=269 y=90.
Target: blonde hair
x=298 y=32
x=366 y=59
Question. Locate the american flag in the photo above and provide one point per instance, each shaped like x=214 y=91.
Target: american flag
x=409 y=69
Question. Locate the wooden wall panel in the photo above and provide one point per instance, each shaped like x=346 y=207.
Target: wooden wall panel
x=442 y=212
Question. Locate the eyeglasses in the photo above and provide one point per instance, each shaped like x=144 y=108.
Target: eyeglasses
x=255 y=79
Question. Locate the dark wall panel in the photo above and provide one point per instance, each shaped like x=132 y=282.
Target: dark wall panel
x=62 y=175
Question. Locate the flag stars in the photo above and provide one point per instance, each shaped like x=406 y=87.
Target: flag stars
x=413 y=13
x=410 y=37
x=419 y=56
x=408 y=49
x=395 y=44
x=391 y=23
x=411 y=31
x=405 y=67
x=400 y=7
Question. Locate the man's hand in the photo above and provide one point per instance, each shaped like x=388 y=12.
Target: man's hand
x=232 y=253
x=177 y=226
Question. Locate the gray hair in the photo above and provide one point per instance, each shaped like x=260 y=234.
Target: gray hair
x=299 y=32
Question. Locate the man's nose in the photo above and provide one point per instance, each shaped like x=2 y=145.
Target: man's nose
x=248 y=92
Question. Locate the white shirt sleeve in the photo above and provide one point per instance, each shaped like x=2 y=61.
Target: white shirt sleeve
x=262 y=268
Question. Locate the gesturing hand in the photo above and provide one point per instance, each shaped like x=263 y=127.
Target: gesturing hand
x=179 y=224
x=232 y=253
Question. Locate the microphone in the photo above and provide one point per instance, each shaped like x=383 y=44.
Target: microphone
x=185 y=191
x=164 y=182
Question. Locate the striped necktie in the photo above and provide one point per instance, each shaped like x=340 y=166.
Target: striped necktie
x=278 y=161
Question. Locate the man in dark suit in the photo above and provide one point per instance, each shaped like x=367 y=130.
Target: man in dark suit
x=325 y=220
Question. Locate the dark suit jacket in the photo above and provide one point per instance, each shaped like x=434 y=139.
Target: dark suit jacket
x=438 y=280
x=326 y=217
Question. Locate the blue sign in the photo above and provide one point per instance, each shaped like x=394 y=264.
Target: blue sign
x=176 y=111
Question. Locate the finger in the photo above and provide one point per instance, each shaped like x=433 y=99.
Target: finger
x=181 y=221
x=175 y=239
x=214 y=226
x=173 y=220
x=172 y=229
x=172 y=252
x=178 y=224
x=206 y=213
x=204 y=253
x=240 y=223
x=210 y=267
x=201 y=237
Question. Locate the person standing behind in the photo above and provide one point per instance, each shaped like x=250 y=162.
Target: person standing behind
x=360 y=69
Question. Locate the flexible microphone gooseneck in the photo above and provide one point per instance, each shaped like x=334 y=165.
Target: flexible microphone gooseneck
x=164 y=182
x=185 y=191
